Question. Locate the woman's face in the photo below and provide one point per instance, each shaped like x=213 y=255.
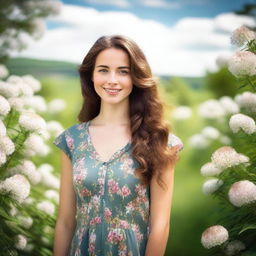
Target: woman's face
x=111 y=75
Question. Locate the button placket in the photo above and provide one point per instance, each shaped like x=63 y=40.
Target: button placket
x=103 y=205
x=105 y=167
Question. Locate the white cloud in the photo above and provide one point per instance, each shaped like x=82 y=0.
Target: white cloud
x=159 y=3
x=188 y=48
x=118 y=3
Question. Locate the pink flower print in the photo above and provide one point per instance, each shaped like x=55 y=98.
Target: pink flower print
x=141 y=190
x=135 y=228
x=91 y=247
x=70 y=142
x=127 y=162
x=83 y=209
x=124 y=224
x=95 y=220
x=80 y=233
x=115 y=236
x=113 y=187
x=96 y=201
x=80 y=172
x=125 y=191
x=85 y=192
x=83 y=145
x=122 y=253
x=127 y=166
x=137 y=232
x=107 y=213
x=79 y=178
x=101 y=181
x=129 y=207
x=92 y=240
x=92 y=237
x=122 y=248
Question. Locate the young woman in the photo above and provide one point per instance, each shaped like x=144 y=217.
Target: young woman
x=118 y=161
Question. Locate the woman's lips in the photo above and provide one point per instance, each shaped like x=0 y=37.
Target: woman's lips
x=112 y=91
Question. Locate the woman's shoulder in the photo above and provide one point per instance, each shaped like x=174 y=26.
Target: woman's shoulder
x=75 y=128
x=72 y=131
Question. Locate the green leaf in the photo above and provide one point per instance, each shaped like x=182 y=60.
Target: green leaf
x=246 y=228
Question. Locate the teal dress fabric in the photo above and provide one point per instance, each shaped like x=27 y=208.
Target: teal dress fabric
x=112 y=207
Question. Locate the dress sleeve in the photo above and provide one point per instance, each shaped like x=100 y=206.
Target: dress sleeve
x=174 y=140
x=62 y=143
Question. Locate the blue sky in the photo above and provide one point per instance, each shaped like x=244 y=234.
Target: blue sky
x=167 y=12
x=182 y=38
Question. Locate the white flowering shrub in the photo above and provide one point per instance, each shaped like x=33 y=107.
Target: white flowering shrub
x=28 y=190
x=231 y=173
x=23 y=21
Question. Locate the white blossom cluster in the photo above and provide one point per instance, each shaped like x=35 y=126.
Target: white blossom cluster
x=47 y=177
x=3 y=71
x=27 y=168
x=208 y=134
x=242 y=63
x=217 y=109
x=54 y=128
x=242 y=35
x=242 y=192
x=17 y=92
x=243 y=122
x=234 y=247
x=30 y=121
x=247 y=101
x=46 y=206
x=35 y=145
x=56 y=105
x=211 y=109
x=209 y=169
x=21 y=242
x=18 y=187
x=182 y=113
x=211 y=185
x=214 y=236
x=223 y=158
x=52 y=194
x=226 y=157
x=25 y=222
x=54 y=7
x=7 y=147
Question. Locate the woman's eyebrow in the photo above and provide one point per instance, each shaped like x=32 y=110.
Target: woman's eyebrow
x=104 y=66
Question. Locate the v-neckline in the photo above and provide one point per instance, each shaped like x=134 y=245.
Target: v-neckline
x=97 y=155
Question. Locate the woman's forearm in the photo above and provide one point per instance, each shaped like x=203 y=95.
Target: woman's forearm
x=157 y=242
x=62 y=238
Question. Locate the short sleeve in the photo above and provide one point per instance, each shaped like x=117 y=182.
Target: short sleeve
x=174 y=140
x=61 y=142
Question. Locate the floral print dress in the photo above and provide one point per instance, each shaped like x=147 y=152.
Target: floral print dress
x=112 y=207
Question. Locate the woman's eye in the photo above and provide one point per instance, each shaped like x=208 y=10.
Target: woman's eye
x=102 y=70
x=124 y=72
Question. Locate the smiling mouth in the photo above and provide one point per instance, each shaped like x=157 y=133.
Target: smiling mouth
x=112 y=90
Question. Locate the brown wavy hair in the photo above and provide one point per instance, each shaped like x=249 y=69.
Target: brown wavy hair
x=148 y=129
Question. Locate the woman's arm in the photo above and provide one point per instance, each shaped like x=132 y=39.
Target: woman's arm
x=66 y=222
x=160 y=211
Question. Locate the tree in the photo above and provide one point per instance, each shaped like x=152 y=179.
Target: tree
x=22 y=19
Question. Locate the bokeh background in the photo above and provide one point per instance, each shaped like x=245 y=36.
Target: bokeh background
x=187 y=44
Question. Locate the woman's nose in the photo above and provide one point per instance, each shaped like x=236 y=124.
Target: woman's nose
x=112 y=78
